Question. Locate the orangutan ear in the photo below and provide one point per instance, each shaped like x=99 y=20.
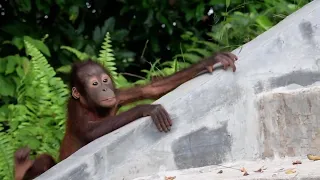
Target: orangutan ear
x=75 y=93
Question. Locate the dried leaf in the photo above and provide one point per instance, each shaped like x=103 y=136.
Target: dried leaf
x=313 y=157
x=290 y=171
x=296 y=162
x=220 y=172
x=245 y=173
x=259 y=170
x=170 y=177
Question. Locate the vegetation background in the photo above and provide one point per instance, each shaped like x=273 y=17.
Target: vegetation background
x=135 y=40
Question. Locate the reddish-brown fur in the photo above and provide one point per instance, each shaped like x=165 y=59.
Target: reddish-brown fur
x=87 y=122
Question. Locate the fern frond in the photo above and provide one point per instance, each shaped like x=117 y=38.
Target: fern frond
x=106 y=56
x=80 y=55
x=45 y=102
x=38 y=118
x=6 y=156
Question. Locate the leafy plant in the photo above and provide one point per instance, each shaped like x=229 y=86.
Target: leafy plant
x=37 y=119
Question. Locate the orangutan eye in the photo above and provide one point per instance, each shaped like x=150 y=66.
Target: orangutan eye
x=105 y=80
x=95 y=83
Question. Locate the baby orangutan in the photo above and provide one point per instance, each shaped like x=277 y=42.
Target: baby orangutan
x=95 y=101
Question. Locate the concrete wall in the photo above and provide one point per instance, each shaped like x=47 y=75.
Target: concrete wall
x=221 y=117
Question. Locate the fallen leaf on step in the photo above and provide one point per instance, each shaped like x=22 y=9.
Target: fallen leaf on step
x=290 y=171
x=220 y=172
x=259 y=170
x=245 y=173
x=170 y=178
x=296 y=162
x=313 y=157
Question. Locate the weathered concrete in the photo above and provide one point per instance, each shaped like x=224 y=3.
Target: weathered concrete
x=289 y=123
x=223 y=117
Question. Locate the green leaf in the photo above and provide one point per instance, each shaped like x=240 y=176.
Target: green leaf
x=24 y=5
x=228 y=3
x=39 y=45
x=120 y=34
x=18 y=42
x=7 y=87
x=189 y=14
x=25 y=64
x=4 y=111
x=124 y=54
x=124 y=10
x=203 y=52
x=61 y=3
x=165 y=21
x=64 y=69
x=81 y=27
x=97 y=35
x=20 y=72
x=3 y=64
x=80 y=55
x=42 y=6
x=11 y=65
x=189 y=57
x=264 y=22
x=73 y=13
x=89 y=49
x=33 y=143
x=200 y=11
x=108 y=25
x=149 y=19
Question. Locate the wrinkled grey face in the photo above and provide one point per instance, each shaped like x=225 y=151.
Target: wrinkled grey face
x=98 y=86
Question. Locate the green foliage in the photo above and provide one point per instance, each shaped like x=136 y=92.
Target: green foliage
x=106 y=57
x=37 y=119
x=80 y=55
x=6 y=156
x=83 y=25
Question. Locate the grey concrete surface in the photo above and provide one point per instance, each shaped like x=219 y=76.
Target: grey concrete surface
x=289 y=131
x=274 y=170
x=223 y=117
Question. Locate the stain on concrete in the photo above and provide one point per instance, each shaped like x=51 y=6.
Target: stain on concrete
x=276 y=46
x=258 y=87
x=302 y=78
x=99 y=162
x=202 y=147
x=308 y=33
x=78 y=173
x=306 y=30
